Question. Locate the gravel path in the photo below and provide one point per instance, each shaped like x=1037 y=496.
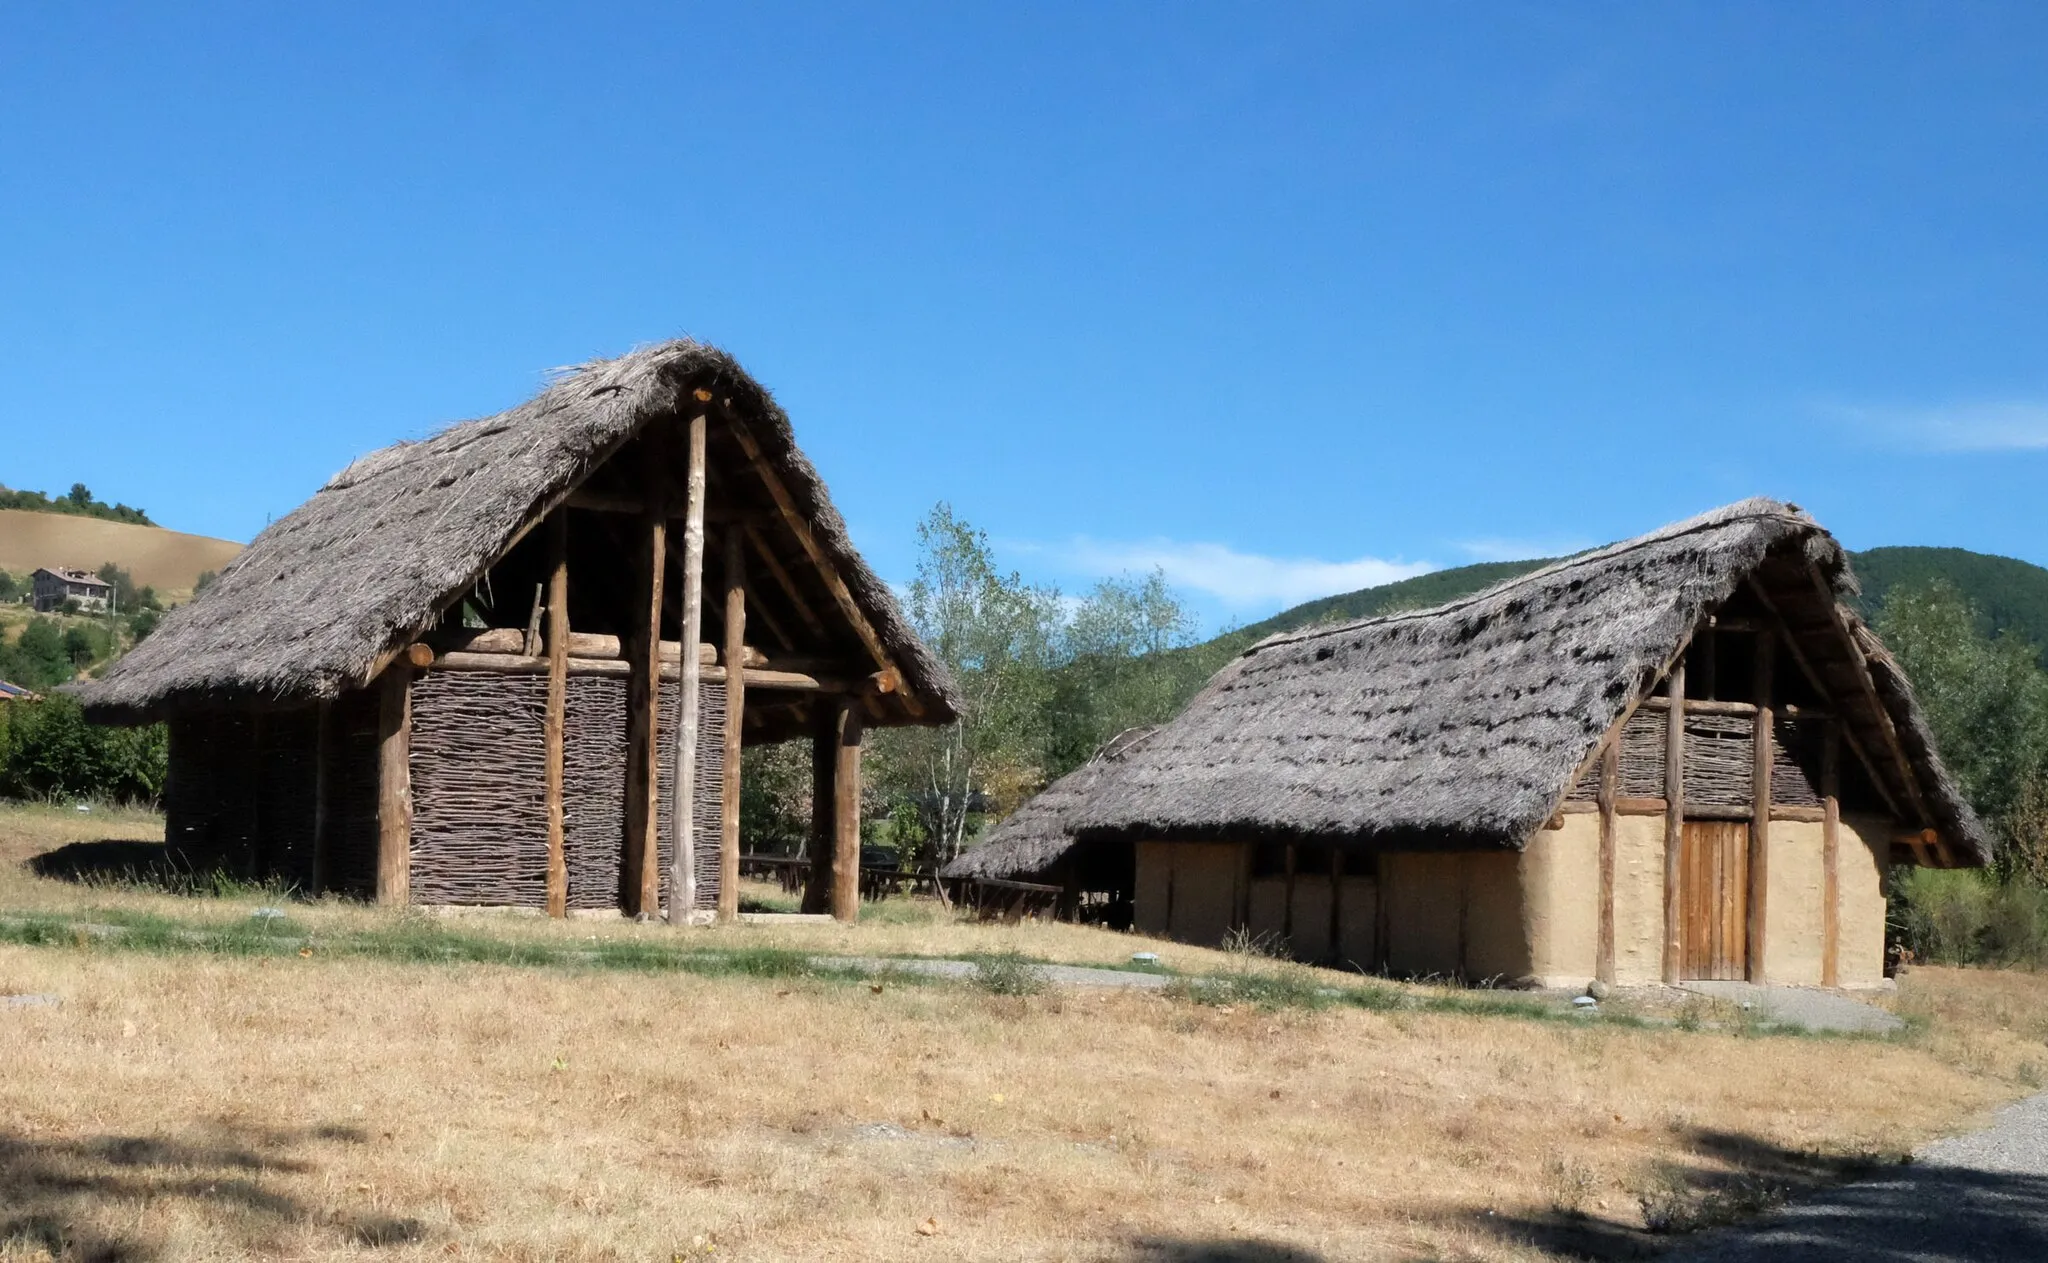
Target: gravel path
x=1810 y=1007
x=1981 y=1197
x=1066 y=975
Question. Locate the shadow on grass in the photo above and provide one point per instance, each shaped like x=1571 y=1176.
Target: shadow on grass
x=1893 y=1211
x=146 y=866
x=82 y=1198
x=1217 y=1250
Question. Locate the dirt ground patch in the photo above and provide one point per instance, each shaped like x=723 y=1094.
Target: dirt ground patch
x=191 y=1106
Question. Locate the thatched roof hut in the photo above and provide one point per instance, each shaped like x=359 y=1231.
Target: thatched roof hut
x=1466 y=724
x=484 y=668
x=1706 y=681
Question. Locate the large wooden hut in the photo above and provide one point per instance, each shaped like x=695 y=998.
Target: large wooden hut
x=484 y=669
x=1678 y=757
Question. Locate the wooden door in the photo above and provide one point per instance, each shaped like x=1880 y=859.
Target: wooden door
x=1714 y=898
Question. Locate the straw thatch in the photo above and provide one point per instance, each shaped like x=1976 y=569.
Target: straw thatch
x=1461 y=726
x=1036 y=836
x=311 y=607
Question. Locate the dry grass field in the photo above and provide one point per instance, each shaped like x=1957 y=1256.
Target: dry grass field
x=188 y=1105
x=168 y=561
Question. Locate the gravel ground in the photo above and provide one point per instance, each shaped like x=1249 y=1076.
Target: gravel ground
x=1981 y=1197
x=1814 y=1009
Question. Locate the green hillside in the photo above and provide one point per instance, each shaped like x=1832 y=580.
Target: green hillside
x=2010 y=594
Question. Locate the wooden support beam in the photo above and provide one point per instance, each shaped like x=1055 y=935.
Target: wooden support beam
x=1336 y=950
x=1805 y=815
x=1820 y=685
x=555 y=724
x=787 y=583
x=325 y=751
x=540 y=604
x=1867 y=685
x=735 y=711
x=846 y=814
x=682 y=878
x=1383 y=910
x=1674 y=819
x=1640 y=807
x=1830 y=855
x=394 y=786
x=1610 y=787
x=1287 y=895
x=828 y=570
x=1762 y=758
x=736 y=542
x=640 y=860
x=822 y=843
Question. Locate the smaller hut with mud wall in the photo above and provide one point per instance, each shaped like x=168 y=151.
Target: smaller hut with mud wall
x=1679 y=757
x=485 y=668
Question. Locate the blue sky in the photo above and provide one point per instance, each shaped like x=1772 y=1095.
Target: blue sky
x=1285 y=299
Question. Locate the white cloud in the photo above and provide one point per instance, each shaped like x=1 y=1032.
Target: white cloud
x=1237 y=579
x=1497 y=549
x=2010 y=426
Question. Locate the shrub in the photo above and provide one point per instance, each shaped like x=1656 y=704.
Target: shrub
x=50 y=751
x=1968 y=917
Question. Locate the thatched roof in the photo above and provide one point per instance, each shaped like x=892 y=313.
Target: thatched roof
x=1036 y=836
x=316 y=603
x=1461 y=726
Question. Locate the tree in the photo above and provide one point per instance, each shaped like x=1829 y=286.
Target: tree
x=1986 y=699
x=37 y=659
x=1127 y=662
x=79 y=495
x=999 y=637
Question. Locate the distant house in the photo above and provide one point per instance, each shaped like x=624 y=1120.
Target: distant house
x=53 y=587
x=16 y=693
x=1678 y=757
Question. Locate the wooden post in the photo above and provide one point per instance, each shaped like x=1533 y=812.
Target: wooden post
x=555 y=732
x=1336 y=952
x=1830 y=853
x=1382 y=910
x=394 y=786
x=1610 y=785
x=824 y=814
x=846 y=813
x=1674 y=818
x=1287 y=895
x=640 y=863
x=323 y=796
x=735 y=712
x=682 y=880
x=1760 y=812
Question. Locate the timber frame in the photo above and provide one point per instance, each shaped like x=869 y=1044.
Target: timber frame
x=551 y=696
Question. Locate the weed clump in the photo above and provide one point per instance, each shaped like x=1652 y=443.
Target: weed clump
x=1009 y=974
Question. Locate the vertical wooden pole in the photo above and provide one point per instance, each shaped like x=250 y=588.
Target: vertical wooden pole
x=846 y=814
x=1760 y=811
x=1610 y=785
x=824 y=814
x=1830 y=854
x=1336 y=952
x=1382 y=911
x=323 y=796
x=394 y=785
x=682 y=880
x=555 y=732
x=640 y=867
x=735 y=714
x=1287 y=895
x=1674 y=818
